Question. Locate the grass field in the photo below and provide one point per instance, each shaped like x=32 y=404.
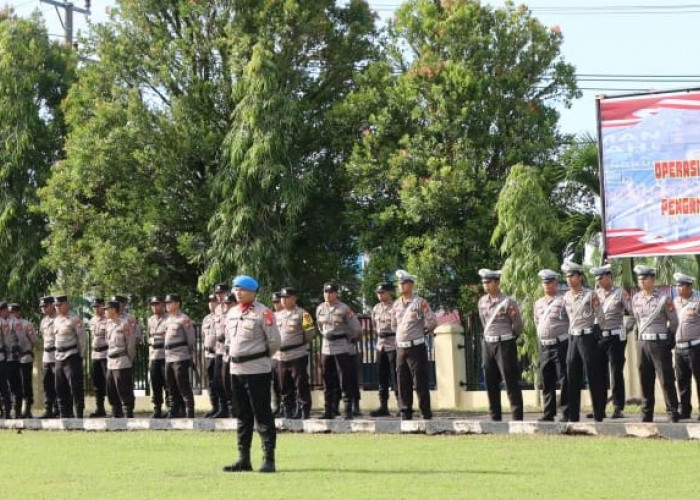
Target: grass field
x=188 y=465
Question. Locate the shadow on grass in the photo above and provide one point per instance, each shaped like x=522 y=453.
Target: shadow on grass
x=404 y=471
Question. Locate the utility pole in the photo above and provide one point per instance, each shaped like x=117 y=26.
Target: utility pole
x=69 y=8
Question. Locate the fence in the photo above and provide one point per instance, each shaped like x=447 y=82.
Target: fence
x=367 y=370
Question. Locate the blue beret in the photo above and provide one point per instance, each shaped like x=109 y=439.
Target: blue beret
x=246 y=283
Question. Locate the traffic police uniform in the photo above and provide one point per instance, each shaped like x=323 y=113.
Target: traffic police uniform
x=411 y=319
x=296 y=331
x=227 y=404
x=179 y=350
x=209 y=344
x=385 y=351
x=26 y=340
x=277 y=408
x=615 y=303
x=5 y=396
x=12 y=368
x=687 y=353
x=47 y=334
x=585 y=314
x=253 y=337
x=70 y=351
x=552 y=324
x=339 y=327
x=502 y=322
x=657 y=321
x=121 y=340
x=98 y=329
x=156 y=325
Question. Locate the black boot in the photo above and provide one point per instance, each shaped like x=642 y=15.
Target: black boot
x=383 y=410
x=356 y=408
x=48 y=413
x=117 y=412
x=328 y=413
x=79 y=412
x=157 y=412
x=224 y=411
x=189 y=411
x=268 y=464
x=27 y=410
x=306 y=412
x=243 y=463
x=348 y=411
x=215 y=408
x=99 y=410
x=129 y=413
x=18 y=410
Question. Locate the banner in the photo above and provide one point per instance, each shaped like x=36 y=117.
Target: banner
x=650 y=173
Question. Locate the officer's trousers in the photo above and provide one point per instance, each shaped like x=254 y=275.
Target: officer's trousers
x=120 y=389
x=252 y=396
x=156 y=370
x=584 y=354
x=25 y=370
x=412 y=373
x=99 y=379
x=654 y=358
x=386 y=373
x=687 y=368
x=14 y=378
x=613 y=359
x=69 y=386
x=553 y=373
x=337 y=372
x=501 y=363
x=177 y=376
x=49 y=384
x=294 y=380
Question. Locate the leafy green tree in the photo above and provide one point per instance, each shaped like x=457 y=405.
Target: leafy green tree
x=35 y=75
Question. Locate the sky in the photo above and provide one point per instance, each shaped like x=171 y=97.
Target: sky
x=617 y=46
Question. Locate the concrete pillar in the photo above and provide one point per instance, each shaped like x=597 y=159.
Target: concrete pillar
x=450 y=366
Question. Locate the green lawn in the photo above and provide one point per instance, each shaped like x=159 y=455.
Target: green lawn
x=188 y=465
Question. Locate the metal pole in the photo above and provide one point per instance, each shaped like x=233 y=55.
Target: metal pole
x=69 y=23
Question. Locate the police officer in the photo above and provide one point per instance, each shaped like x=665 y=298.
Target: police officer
x=277 y=408
x=179 y=355
x=135 y=327
x=222 y=379
x=687 y=342
x=26 y=339
x=5 y=396
x=12 y=368
x=657 y=321
x=230 y=408
x=296 y=331
x=47 y=334
x=70 y=352
x=385 y=348
x=156 y=354
x=583 y=308
x=338 y=326
x=253 y=338
x=552 y=324
x=209 y=341
x=98 y=329
x=121 y=340
x=502 y=323
x=614 y=302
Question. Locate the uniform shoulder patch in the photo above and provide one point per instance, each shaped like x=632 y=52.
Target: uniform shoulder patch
x=348 y=313
x=669 y=305
x=186 y=322
x=128 y=330
x=269 y=317
x=77 y=321
x=595 y=300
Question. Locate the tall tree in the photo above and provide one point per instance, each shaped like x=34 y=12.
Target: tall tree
x=35 y=75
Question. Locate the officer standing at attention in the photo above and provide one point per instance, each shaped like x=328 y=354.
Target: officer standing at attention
x=615 y=303
x=386 y=348
x=411 y=319
x=552 y=325
x=502 y=322
x=4 y=383
x=98 y=329
x=338 y=326
x=687 y=342
x=277 y=409
x=222 y=378
x=209 y=344
x=12 y=368
x=222 y=346
x=179 y=355
x=156 y=354
x=47 y=334
x=123 y=301
x=585 y=313
x=657 y=322
x=121 y=341
x=26 y=339
x=70 y=352
x=296 y=331
x=253 y=338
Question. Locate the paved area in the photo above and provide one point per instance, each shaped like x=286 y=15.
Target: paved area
x=442 y=425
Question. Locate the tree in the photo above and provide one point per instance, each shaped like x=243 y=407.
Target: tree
x=35 y=75
x=466 y=92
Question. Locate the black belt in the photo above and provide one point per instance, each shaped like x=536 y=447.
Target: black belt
x=290 y=347
x=47 y=349
x=249 y=357
x=3 y=351
x=101 y=348
x=336 y=336
x=68 y=348
x=176 y=344
x=158 y=346
x=386 y=335
x=25 y=353
x=116 y=355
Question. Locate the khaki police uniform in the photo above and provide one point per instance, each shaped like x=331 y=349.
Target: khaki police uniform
x=179 y=349
x=70 y=349
x=552 y=324
x=385 y=354
x=222 y=376
x=121 y=340
x=687 y=353
x=296 y=331
x=12 y=368
x=48 y=359
x=209 y=345
x=156 y=361
x=98 y=329
x=26 y=339
x=5 y=396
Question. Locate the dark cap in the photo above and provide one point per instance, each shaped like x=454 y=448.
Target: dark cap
x=157 y=299
x=3 y=305
x=276 y=296
x=288 y=291
x=60 y=298
x=45 y=301
x=113 y=304
x=221 y=287
x=331 y=287
x=119 y=298
x=97 y=302
x=173 y=297
x=213 y=298
x=230 y=299
x=385 y=286
x=641 y=270
x=14 y=307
